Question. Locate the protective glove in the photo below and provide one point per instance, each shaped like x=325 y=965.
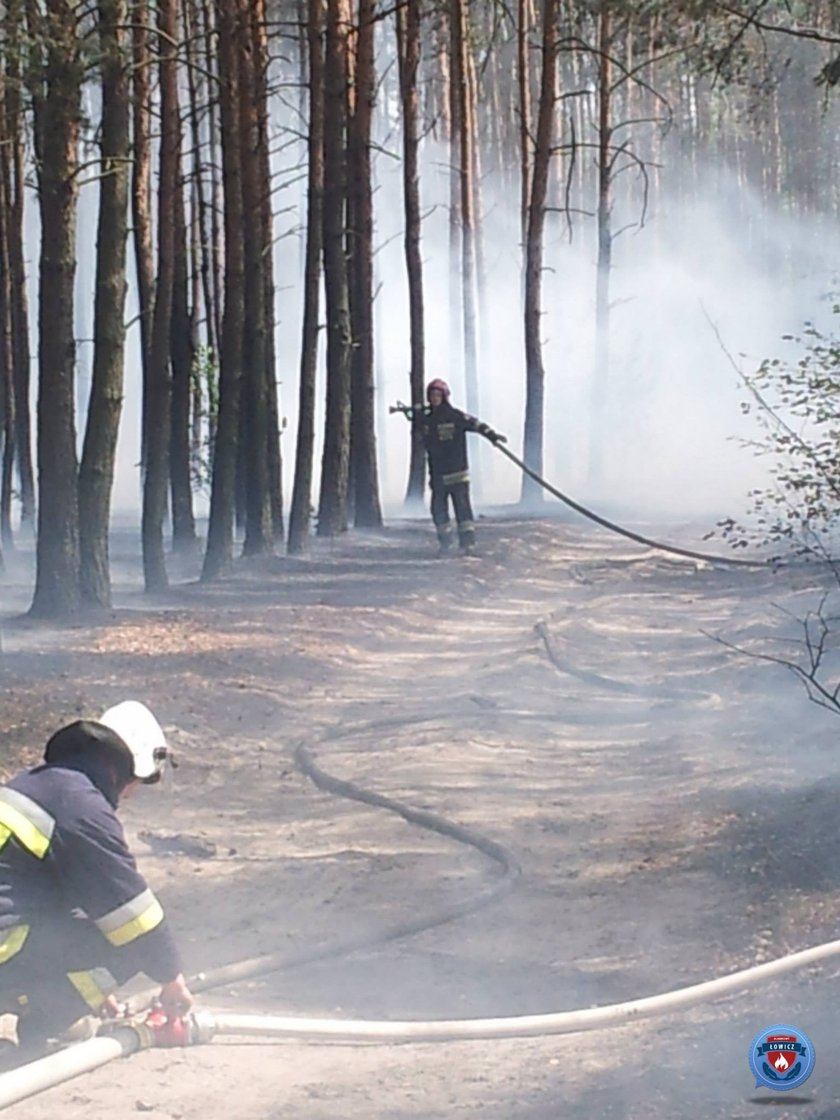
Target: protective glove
x=496 y=437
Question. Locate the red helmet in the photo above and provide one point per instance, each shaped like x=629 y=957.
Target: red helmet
x=440 y=384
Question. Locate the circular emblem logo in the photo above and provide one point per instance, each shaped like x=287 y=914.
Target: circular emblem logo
x=781 y=1057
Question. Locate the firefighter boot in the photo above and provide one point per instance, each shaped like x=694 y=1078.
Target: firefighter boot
x=445 y=540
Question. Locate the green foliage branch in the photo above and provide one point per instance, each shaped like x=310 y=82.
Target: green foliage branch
x=796 y=404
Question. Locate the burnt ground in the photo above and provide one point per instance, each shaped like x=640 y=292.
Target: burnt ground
x=671 y=807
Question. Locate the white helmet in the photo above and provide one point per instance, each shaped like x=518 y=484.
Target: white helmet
x=143 y=736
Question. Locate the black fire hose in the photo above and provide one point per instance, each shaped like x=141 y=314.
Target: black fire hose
x=637 y=537
x=408 y=411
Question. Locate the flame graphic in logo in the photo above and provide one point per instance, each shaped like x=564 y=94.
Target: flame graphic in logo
x=781 y=1062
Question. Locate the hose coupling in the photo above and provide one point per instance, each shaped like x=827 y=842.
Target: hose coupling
x=187 y=1030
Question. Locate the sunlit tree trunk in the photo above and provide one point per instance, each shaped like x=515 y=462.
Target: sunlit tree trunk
x=332 y=507
x=408 y=50
x=96 y=473
x=437 y=92
x=218 y=560
x=534 y=368
x=158 y=394
x=299 y=518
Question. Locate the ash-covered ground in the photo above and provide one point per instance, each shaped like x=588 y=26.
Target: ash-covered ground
x=671 y=807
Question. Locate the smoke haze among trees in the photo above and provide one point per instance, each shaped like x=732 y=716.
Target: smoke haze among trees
x=267 y=211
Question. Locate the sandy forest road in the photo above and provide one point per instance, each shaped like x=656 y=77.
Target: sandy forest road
x=672 y=810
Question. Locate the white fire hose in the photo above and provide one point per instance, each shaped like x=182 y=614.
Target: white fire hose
x=202 y=1026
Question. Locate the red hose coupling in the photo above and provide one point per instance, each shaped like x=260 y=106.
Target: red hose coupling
x=167 y=1032
x=187 y=1030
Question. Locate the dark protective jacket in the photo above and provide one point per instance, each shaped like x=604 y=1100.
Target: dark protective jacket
x=444 y=436
x=62 y=848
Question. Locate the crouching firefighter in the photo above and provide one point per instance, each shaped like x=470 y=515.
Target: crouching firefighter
x=77 y=919
x=444 y=436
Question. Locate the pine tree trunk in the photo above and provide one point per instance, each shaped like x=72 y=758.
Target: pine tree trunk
x=7 y=379
x=96 y=473
x=201 y=138
x=17 y=268
x=461 y=85
x=217 y=205
x=158 y=394
x=523 y=75
x=408 y=50
x=534 y=369
x=332 y=506
x=204 y=338
x=259 y=35
x=454 y=101
x=302 y=493
x=258 y=532
x=141 y=198
x=183 y=355
x=57 y=108
x=598 y=400
x=218 y=560
x=366 y=508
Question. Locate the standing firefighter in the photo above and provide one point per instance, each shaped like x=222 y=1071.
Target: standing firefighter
x=445 y=438
x=77 y=918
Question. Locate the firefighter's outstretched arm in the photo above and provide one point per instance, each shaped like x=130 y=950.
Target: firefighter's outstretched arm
x=475 y=425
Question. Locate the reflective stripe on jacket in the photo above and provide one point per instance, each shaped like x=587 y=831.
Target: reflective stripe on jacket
x=63 y=848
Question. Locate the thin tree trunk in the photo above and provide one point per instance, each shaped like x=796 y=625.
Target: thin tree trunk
x=408 y=50
x=366 y=506
x=158 y=395
x=218 y=559
x=212 y=66
x=203 y=353
x=7 y=380
x=461 y=84
x=141 y=198
x=183 y=356
x=332 y=506
x=456 y=263
x=439 y=116
x=194 y=26
x=598 y=399
x=302 y=492
x=259 y=35
x=258 y=532
x=17 y=268
x=534 y=368
x=96 y=473
x=523 y=74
